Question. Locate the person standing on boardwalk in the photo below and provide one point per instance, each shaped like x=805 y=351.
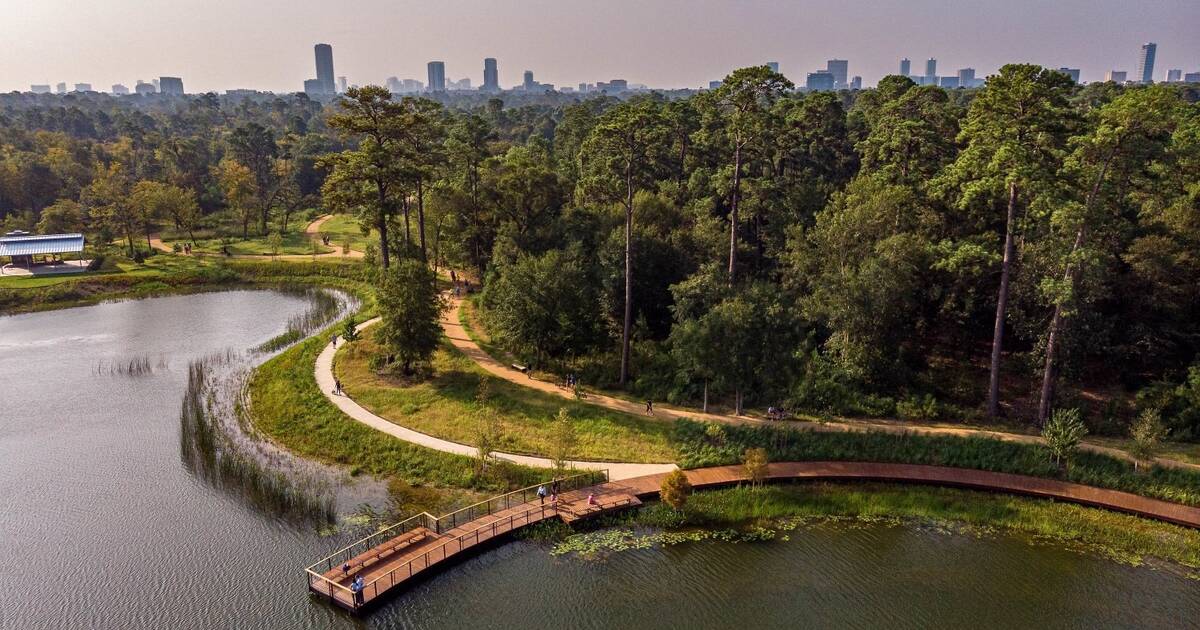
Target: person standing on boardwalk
x=541 y=492
x=356 y=587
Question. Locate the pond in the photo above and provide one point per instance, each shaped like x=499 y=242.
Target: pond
x=113 y=519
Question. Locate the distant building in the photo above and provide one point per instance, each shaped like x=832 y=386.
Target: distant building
x=83 y=87
x=461 y=84
x=491 y=76
x=437 y=76
x=905 y=67
x=948 y=83
x=1191 y=77
x=1174 y=75
x=119 y=90
x=584 y=88
x=613 y=87
x=412 y=85
x=773 y=65
x=40 y=89
x=144 y=88
x=966 y=77
x=528 y=83
x=61 y=88
x=839 y=68
x=157 y=88
x=342 y=85
x=1116 y=76
x=1071 y=72
x=819 y=80
x=856 y=83
x=313 y=88
x=931 y=71
x=712 y=85
x=324 y=57
x=172 y=86
x=1145 y=71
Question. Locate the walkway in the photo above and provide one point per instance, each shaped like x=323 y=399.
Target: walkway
x=389 y=559
x=453 y=329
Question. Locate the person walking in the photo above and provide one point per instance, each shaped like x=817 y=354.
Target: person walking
x=334 y=341
x=649 y=407
x=541 y=492
x=337 y=387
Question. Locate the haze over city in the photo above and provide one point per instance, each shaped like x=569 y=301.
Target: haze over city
x=217 y=45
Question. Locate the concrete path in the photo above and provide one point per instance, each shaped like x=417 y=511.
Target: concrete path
x=324 y=375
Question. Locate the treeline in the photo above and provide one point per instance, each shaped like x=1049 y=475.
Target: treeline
x=905 y=250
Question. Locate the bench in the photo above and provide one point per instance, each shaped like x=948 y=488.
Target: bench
x=374 y=555
x=524 y=369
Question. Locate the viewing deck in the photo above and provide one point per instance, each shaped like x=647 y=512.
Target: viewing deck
x=389 y=559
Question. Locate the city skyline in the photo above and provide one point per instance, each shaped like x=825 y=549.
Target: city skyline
x=664 y=44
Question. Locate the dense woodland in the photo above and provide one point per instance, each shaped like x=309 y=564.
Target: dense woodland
x=903 y=251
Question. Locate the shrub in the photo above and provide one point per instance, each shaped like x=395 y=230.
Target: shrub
x=675 y=490
x=1063 y=432
x=918 y=409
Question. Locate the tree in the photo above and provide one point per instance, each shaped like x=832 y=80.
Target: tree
x=237 y=182
x=1130 y=133
x=410 y=308
x=1147 y=433
x=1015 y=134
x=562 y=441
x=622 y=155
x=1063 y=432
x=745 y=99
x=350 y=330
x=489 y=430
x=61 y=217
x=254 y=146
x=368 y=180
x=421 y=136
x=755 y=462
x=675 y=490
x=275 y=242
x=467 y=148
x=107 y=198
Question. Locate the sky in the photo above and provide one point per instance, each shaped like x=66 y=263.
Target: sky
x=217 y=45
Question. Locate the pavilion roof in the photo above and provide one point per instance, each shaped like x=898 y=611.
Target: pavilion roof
x=33 y=244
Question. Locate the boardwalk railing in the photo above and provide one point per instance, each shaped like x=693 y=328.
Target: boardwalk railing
x=439 y=525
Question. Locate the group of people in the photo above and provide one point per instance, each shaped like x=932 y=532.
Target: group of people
x=187 y=249
x=777 y=413
x=571 y=381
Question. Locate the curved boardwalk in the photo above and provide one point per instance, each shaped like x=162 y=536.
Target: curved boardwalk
x=424 y=542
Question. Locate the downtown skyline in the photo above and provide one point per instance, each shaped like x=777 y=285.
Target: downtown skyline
x=657 y=44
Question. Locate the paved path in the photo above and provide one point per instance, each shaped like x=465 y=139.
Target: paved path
x=324 y=375
x=453 y=329
x=312 y=230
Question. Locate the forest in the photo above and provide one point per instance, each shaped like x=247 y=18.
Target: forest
x=985 y=255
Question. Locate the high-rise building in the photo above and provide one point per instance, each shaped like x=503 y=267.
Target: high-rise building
x=491 y=76
x=437 y=76
x=1071 y=72
x=528 y=83
x=1191 y=77
x=839 y=68
x=1116 y=76
x=143 y=88
x=313 y=88
x=83 y=87
x=40 y=88
x=119 y=89
x=324 y=55
x=170 y=85
x=931 y=71
x=966 y=77
x=819 y=80
x=1145 y=71
x=61 y=88
x=905 y=67
x=342 y=85
x=856 y=83
x=1174 y=75
x=773 y=65
x=948 y=83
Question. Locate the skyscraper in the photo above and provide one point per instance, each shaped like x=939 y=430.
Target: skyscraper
x=1174 y=76
x=1116 y=76
x=931 y=71
x=1071 y=72
x=839 y=68
x=170 y=85
x=324 y=54
x=491 y=76
x=437 y=76
x=856 y=83
x=819 y=80
x=528 y=83
x=905 y=67
x=1145 y=71
x=966 y=77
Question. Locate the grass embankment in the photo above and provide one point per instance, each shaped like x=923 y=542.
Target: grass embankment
x=343 y=227
x=293 y=240
x=779 y=508
x=445 y=406
x=287 y=406
x=701 y=444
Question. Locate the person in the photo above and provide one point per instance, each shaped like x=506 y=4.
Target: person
x=337 y=387
x=554 y=500
x=345 y=568
x=541 y=492
x=649 y=407
x=591 y=499
x=334 y=341
x=453 y=277
x=356 y=587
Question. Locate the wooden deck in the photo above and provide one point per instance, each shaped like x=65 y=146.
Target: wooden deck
x=390 y=560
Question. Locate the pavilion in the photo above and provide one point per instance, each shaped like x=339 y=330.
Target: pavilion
x=34 y=254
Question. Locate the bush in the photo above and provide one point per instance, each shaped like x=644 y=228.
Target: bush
x=918 y=408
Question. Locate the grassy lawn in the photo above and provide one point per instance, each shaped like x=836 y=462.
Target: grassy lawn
x=295 y=241
x=344 y=226
x=445 y=407
x=1119 y=536
x=154 y=267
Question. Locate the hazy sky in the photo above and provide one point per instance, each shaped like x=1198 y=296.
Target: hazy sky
x=267 y=44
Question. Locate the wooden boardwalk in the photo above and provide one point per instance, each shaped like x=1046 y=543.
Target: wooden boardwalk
x=390 y=559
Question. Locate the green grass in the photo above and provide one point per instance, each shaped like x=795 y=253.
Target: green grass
x=343 y=226
x=783 y=507
x=295 y=241
x=444 y=406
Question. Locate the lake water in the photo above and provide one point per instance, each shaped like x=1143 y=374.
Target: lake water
x=108 y=521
